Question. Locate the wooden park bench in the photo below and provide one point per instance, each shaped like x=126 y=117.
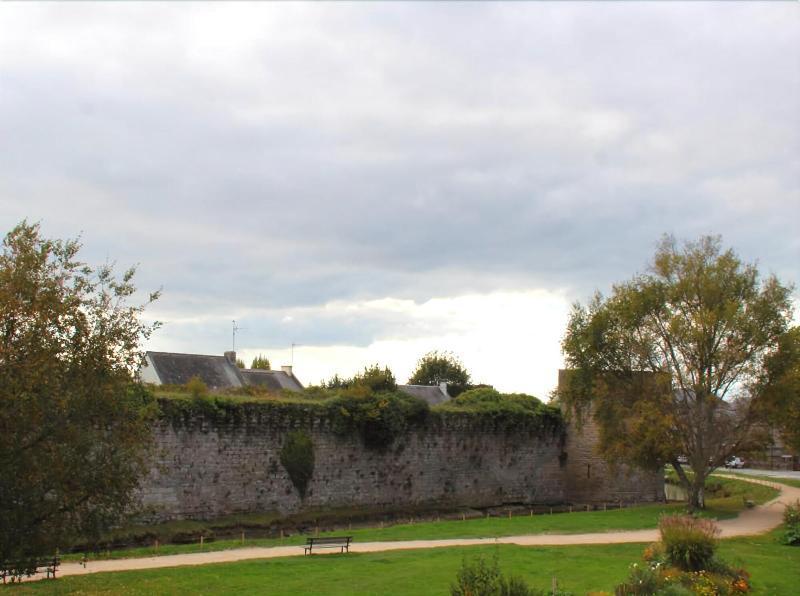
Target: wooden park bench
x=48 y=566
x=342 y=542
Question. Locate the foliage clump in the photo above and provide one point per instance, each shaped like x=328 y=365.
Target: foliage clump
x=196 y=387
x=684 y=562
x=260 y=363
x=297 y=457
x=780 y=388
x=479 y=577
x=508 y=410
x=441 y=367
x=791 y=518
x=373 y=379
x=689 y=542
x=377 y=418
x=489 y=399
x=75 y=428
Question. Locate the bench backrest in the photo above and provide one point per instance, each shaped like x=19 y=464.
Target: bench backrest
x=330 y=540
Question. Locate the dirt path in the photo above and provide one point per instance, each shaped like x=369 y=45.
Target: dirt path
x=758 y=520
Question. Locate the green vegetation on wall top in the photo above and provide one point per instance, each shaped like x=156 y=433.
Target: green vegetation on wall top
x=377 y=417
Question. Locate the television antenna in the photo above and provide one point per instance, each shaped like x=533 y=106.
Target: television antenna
x=233 y=334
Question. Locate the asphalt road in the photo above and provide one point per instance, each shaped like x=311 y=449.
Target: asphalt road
x=770 y=473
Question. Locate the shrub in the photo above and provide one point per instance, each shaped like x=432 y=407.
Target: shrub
x=516 y=586
x=482 y=578
x=657 y=580
x=377 y=378
x=378 y=418
x=374 y=379
x=791 y=517
x=689 y=542
x=686 y=542
x=260 y=362
x=512 y=411
x=477 y=578
x=488 y=398
x=297 y=457
x=642 y=581
x=196 y=387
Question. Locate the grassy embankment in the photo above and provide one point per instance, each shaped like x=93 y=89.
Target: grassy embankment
x=728 y=502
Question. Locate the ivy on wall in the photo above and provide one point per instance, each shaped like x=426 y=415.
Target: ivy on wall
x=378 y=419
x=297 y=457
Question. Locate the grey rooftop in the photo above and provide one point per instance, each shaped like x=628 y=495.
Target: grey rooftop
x=217 y=372
x=433 y=394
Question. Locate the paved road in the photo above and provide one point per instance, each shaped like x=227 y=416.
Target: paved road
x=771 y=473
x=752 y=521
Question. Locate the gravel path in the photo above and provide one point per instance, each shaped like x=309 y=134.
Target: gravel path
x=758 y=520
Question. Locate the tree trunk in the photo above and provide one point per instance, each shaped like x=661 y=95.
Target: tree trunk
x=694 y=486
x=697 y=493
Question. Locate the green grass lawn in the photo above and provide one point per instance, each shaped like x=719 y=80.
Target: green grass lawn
x=775 y=571
x=631 y=518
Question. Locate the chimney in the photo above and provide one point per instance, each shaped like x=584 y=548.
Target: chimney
x=230 y=356
x=443 y=387
x=287 y=368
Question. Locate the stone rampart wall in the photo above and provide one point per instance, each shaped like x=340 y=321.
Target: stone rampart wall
x=205 y=469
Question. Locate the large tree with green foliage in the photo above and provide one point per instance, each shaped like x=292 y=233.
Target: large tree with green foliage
x=74 y=426
x=780 y=388
x=667 y=362
x=441 y=367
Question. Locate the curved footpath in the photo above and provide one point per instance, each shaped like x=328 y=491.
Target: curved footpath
x=758 y=520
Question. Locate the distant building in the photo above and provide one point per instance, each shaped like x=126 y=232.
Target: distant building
x=433 y=394
x=217 y=372
x=775 y=456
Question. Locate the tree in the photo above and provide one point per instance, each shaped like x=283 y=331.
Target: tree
x=372 y=379
x=261 y=362
x=665 y=362
x=239 y=363
x=74 y=426
x=780 y=388
x=441 y=367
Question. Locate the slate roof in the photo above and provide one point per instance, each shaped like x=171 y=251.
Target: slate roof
x=274 y=380
x=176 y=369
x=433 y=394
x=217 y=372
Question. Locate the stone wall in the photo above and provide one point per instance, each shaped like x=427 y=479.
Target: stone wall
x=589 y=479
x=205 y=468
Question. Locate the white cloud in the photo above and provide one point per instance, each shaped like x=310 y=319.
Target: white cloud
x=508 y=339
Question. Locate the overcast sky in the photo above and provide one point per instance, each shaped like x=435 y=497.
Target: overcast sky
x=373 y=181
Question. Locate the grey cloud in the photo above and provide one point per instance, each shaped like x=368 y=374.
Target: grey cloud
x=351 y=152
